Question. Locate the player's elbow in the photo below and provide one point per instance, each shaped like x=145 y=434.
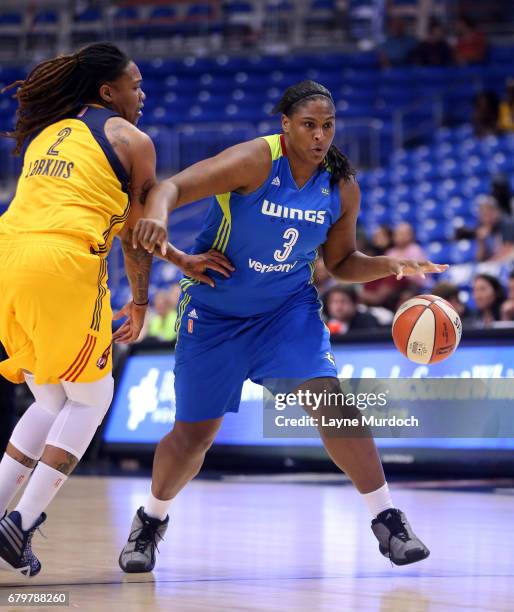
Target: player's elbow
x=340 y=268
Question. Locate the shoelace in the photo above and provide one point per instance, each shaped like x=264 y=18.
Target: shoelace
x=396 y=527
x=147 y=535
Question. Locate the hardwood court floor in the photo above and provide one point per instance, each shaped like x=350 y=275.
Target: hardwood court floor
x=269 y=545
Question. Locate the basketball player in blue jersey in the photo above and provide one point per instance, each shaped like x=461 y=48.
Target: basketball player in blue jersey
x=280 y=198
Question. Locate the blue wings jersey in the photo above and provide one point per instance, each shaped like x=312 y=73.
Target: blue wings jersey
x=270 y=236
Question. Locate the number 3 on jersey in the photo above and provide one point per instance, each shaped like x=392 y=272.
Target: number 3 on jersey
x=291 y=236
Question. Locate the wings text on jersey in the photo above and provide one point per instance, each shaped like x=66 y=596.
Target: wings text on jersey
x=277 y=210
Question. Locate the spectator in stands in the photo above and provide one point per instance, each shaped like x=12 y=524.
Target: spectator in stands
x=382 y=293
x=406 y=247
x=495 y=232
x=471 y=44
x=506 y=110
x=397 y=48
x=507 y=308
x=488 y=295
x=404 y=243
x=434 y=50
x=502 y=193
x=485 y=113
x=161 y=323
x=340 y=307
x=381 y=240
x=450 y=293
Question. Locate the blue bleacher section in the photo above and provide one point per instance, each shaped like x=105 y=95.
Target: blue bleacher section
x=435 y=188
x=243 y=90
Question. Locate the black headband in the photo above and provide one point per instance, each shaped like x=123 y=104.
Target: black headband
x=301 y=97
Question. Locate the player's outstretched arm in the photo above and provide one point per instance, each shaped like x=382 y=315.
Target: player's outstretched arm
x=241 y=168
x=340 y=253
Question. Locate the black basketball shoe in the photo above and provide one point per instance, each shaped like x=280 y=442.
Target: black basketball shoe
x=396 y=539
x=138 y=555
x=15 y=545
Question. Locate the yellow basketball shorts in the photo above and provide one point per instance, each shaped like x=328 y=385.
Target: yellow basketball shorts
x=55 y=312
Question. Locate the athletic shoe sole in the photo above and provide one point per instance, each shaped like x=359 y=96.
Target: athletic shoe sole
x=24 y=571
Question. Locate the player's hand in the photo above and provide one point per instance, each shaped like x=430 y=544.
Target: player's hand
x=196 y=266
x=131 y=328
x=412 y=267
x=149 y=233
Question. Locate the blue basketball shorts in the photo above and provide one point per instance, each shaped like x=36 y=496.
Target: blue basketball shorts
x=215 y=354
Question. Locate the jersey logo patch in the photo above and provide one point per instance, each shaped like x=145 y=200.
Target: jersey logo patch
x=193 y=314
x=276 y=181
x=325 y=191
x=102 y=361
x=330 y=357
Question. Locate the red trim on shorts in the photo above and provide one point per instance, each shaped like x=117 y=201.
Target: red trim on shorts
x=283 y=145
x=86 y=359
x=77 y=358
x=80 y=361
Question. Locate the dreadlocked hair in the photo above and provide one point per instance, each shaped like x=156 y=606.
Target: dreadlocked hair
x=58 y=87
x=292 y=99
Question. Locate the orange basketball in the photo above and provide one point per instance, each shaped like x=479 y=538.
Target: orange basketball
x=426 y=329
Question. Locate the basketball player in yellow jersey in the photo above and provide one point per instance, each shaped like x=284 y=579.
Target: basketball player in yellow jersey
x=86 y=172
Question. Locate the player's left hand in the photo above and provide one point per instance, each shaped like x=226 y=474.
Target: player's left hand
x=412 y=267
x=131 y=328
x=196 y=266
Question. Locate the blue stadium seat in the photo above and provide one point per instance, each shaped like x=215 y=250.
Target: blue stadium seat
x=125 y=13
x=237 y=8
x=463 y=251
x=439 y=251
x=323 y=5
x=46 y=17
x=279 y=6
x=200 y=10
x=10 y=18
x=431 y=230
x=160 y=12
x=89 y=15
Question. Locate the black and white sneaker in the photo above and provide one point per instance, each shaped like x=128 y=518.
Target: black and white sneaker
x=396 y=539
x=138 y=555
x=15 y=545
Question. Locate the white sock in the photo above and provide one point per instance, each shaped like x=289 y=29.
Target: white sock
x=379 y=500
x=157 y=508
x=12 y=476
x=41 y=489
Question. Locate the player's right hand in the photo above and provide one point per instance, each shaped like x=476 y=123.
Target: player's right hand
x=195 y=266
x=149 y=233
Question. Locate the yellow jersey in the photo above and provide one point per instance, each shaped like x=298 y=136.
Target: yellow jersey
x=72 y=183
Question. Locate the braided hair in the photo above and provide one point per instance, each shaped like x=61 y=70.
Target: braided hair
x=58 y=87
x=292 y=99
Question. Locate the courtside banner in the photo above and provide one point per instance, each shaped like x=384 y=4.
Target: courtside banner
x=390 y=408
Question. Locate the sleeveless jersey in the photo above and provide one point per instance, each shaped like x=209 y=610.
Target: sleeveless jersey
x=270 y=236
x=72 y=183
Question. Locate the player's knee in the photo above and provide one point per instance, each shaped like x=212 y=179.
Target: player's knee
x=192 y=439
